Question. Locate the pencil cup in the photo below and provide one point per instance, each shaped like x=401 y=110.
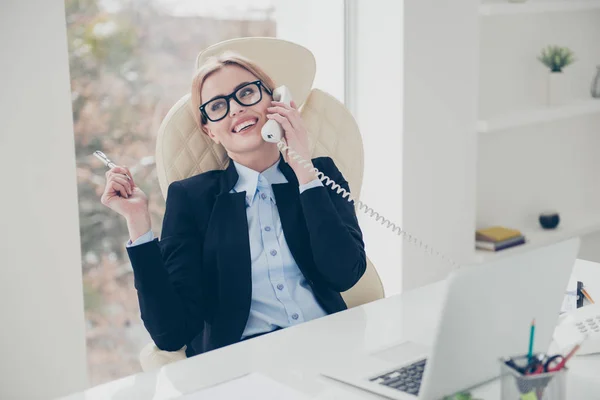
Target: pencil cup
x=544 y=386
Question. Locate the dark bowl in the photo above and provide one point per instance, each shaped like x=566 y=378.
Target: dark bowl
x=549 y=220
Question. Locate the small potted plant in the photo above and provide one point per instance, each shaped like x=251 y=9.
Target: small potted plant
x=556 y=58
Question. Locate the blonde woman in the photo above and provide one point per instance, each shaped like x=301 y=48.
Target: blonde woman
x=245 y=251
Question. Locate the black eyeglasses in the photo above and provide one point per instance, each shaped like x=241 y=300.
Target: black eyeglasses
x=246 y=95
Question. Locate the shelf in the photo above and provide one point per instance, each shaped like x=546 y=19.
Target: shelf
x=536 y=236
x=546 y=114
x=533 y=7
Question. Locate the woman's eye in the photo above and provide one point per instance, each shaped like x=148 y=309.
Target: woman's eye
x=247 y=92
x=216 y=106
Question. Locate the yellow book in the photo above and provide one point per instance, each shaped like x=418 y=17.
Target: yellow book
x=496 y=234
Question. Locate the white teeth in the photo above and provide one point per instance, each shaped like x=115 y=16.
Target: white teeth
x=241 y=126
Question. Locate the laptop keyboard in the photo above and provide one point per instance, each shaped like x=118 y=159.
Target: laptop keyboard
x=406 y=379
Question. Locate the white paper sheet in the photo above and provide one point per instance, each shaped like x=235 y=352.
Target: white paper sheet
x=248 y=387
x=570 y=300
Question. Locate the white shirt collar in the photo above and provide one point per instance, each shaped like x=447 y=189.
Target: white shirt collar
x=249 y=180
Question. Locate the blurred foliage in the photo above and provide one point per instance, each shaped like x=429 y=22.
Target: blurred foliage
x=106 y=77
x=91 y=297
x=461 y=396
x=128 y=66
x=556 y=58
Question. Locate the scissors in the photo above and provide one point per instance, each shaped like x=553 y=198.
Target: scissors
x=547 y=364
x=538 y=365
x=541 y=364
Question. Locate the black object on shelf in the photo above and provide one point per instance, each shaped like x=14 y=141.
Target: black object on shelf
x=579 y=294
x=549 y=220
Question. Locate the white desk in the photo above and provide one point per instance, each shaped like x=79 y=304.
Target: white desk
x=294 y=356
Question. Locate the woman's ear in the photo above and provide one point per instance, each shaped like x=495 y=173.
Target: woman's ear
x=210 y=134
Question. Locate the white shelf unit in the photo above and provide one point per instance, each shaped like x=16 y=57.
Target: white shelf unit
x=574 y=222
x=579 y=225
x=533 y=7
x=542 y=115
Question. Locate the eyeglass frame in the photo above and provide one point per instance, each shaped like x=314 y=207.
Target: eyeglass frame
x=232 y=95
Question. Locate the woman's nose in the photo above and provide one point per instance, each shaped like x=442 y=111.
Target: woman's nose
x=234 y=108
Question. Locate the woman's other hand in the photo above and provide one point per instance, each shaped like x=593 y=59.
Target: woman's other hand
x=122 y=195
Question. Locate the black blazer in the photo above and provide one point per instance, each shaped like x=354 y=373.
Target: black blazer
x=194 y=285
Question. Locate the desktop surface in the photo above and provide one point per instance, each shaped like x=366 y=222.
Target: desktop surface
x=295 y=356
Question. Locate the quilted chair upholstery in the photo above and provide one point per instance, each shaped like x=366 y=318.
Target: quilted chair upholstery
x=182 y=150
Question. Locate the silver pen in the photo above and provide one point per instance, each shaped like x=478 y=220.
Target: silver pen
x=109 y=164
x=102 y=157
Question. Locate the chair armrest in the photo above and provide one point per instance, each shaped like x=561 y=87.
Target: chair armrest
x=151 y=357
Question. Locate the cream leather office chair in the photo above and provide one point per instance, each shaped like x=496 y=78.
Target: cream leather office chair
x=182 y=150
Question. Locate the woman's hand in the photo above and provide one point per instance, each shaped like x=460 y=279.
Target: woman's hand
x=122 y=195
x=296 y=137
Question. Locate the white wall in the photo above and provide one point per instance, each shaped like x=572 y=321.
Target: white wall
x=413 y=76
x=376 y=65
x=441 y=44
x=549 y=166
x=554 y=165
x=42 y=340
x=512 y=78
x=589 y=248
x=319 y=26
x=416 y=107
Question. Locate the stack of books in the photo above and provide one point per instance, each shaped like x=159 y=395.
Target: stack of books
x=497 y=238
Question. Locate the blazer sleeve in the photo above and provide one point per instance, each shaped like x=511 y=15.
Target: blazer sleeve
x=167 y=276
x=335 y=237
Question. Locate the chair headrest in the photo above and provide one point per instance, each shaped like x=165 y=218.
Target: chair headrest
x=182 y=150
x=285 y=62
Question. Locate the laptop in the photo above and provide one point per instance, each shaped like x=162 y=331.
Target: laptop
x=487 y=313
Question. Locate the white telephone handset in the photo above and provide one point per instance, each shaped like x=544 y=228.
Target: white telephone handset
x=273 y=132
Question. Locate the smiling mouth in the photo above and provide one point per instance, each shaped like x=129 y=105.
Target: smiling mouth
x=244 y=126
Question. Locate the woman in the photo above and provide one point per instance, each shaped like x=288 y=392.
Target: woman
x=260 y=246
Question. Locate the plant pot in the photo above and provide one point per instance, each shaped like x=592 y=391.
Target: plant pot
x=558 y=89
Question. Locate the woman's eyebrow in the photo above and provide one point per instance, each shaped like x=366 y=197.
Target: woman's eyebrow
x=234 y=89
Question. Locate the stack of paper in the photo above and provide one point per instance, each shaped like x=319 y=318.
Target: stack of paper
x=248 y=387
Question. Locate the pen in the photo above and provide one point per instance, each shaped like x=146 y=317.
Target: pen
x=587 y=295
x=531 y=334
x=102 y=157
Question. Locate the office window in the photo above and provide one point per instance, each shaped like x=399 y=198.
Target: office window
x=130 y=61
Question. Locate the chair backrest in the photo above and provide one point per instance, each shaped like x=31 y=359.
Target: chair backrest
x=182 y=150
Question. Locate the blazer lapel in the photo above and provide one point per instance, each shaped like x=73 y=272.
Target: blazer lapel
x=233 y=259
x=292 y=220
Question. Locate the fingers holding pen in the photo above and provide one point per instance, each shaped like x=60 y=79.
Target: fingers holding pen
x=121 y=194
x=124 y=182
x=128 y=173
x=124 y=171
x=122 y=176
x=118 y=188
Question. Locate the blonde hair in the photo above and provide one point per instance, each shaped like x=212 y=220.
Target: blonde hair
x=214 y=64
